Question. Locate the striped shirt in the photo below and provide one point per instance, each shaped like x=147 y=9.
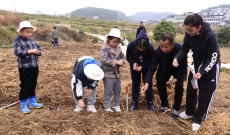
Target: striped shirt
x=21 y=47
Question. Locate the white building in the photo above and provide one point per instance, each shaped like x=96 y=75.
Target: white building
x=179 y=19
x=94 y=18
x=217 y=11
x=215 y=17
x=212 y=21
x=204 y=14
x=221 y=13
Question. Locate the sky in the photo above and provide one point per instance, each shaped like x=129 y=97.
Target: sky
x=129 y=7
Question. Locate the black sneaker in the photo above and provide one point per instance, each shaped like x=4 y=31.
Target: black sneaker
x=151 y=106
x=134 y=106
x=164 y=109
x=175 y=114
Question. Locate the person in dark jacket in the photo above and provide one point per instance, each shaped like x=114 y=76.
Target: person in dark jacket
x=139 y=54
x=86 y=73
x=140 y=28
x=162 y=62
x=206 y=59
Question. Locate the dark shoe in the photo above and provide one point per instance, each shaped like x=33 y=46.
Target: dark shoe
x=151 y=106
x=175 y=114
x=134 y=106
x=164 y=109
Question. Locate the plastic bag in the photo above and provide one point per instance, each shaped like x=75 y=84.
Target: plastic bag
x=193 y=81
x=194 y=84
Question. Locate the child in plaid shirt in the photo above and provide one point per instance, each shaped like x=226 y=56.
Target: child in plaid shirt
x=27 y=50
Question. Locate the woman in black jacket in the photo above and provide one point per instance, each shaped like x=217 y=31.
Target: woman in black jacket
x=139 y=54
x=206 y=59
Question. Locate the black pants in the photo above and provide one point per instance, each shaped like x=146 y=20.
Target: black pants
x=56 y=42
x=28 y=78
x=207 y=86
x=136 y=80
x=162 y=91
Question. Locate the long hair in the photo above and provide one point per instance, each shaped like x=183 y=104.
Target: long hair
x=195 y=20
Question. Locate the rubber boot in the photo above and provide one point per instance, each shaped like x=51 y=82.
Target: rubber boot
x=24 y=107
x=34 y=103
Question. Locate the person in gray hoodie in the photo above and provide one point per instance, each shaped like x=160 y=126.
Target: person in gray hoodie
x=55 y=35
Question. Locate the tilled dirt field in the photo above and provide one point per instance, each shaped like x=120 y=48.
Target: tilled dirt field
x=54 y=91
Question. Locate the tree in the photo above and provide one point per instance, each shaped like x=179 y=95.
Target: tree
x=163 y=27
x=224 y=35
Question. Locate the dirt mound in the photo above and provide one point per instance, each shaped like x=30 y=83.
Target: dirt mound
x=54 y=91
x=43 y=33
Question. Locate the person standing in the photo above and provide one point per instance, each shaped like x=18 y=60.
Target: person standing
x=162 y=63
x=112 y=58
x=140 y=28
x=139 y=54
x=55 y=35
x=206 y=59
x=27 y=50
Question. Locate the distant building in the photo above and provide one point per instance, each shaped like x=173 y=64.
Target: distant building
x=212 y=20
x=94 y=18
x=223 y=13
x=187 y=13
x=65 y=15
x=217 y=16
x=178 y=19
x=204 y=14
x=216 y=12
x=153 y=21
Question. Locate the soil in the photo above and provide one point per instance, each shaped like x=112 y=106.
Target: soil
x=54 y=91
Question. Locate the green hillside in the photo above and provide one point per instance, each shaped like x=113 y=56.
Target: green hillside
x=103 y=14
x=9 y=22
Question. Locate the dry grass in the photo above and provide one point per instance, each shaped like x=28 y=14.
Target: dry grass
x=225 y=53
x=54 y=90
x=10 y=19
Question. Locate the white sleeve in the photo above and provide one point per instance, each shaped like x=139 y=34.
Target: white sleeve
x=77 y=87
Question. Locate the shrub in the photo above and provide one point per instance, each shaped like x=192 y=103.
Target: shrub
x=164 y=27
x=224 y=35
x=81 y=32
